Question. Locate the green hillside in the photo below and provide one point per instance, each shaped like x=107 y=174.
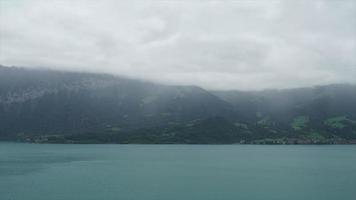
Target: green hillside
x=68 y=107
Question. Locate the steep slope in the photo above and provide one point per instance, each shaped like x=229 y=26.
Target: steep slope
x=53 y=106
x=51 y=102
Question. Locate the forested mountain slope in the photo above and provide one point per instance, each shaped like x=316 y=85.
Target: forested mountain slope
x=54 y=106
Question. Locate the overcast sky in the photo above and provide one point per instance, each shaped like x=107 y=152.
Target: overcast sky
x=224 y=44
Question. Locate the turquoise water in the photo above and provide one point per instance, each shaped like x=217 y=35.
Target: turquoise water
x=177 y=172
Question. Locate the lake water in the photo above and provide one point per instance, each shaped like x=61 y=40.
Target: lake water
x=177 y=172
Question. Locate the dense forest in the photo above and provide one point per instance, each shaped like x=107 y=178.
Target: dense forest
x=70 y=107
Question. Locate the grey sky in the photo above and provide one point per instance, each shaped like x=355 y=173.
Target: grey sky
x=225 y=44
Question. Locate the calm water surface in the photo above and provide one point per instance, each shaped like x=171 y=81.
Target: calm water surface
x=177 y=172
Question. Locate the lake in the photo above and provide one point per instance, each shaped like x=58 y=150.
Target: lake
x=177 y=172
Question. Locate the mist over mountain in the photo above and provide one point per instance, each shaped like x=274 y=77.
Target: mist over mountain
x=69 y=107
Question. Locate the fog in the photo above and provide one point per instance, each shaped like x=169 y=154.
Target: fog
x=232 y=44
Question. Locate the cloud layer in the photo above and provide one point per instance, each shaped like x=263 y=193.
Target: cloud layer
x=220 y=44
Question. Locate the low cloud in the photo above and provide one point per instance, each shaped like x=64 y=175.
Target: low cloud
x=228 y=44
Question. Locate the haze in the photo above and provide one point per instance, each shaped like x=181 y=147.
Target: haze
x=213 y=44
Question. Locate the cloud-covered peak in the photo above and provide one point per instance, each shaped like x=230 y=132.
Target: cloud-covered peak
x=214 y=44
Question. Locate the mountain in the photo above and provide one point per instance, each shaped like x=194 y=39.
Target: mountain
x=316 y=112
x=71 y=107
